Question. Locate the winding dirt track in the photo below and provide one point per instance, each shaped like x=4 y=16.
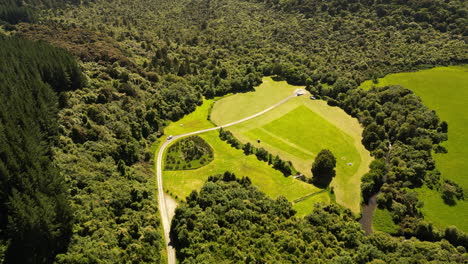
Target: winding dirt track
x=165 y=213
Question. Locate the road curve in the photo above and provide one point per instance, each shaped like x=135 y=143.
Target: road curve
x=165 y=217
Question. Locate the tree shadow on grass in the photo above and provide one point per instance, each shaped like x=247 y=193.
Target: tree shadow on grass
x=324 y=180
x=449 y=200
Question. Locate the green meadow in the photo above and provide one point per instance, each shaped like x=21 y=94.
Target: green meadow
x=238 y=106
x=297 y=131
x=226 y=158
x=444 y=89
x=181 y=182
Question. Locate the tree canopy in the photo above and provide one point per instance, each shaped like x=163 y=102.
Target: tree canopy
x=35 y=215
x=229 y=220
x=323 y=168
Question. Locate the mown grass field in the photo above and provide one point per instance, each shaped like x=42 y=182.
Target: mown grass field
x=180 y=183
x=444 y=89
x=297 y=131
x=226 y=158
x=238 y=106
x=441 y=214
x=197 y=120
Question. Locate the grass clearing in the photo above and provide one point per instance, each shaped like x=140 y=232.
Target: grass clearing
x=297 y=131
x=180 y=183
x=226 y=158
x=441 y=214
x=444 y=89
x=197 y=120
x=382 y=221
x=241 y=105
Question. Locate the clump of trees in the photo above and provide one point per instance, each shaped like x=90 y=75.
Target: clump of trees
x=226 y=135
x=189 y=153
x=451 y=191
x=323 y=168
x=229 y=220
x=11 y=12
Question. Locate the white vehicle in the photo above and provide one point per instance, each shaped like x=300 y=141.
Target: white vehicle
x=170 y=137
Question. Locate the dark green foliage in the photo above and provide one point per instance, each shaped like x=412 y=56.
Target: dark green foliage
x=445 y=16
x=341 y=45
x=373 y=180
x=432 y=179
x=189 y=153
x=456 y=237
x=230 y=221
x=176 y=100
x=285 y=167
x=227 y=136
x=451 y=191
x=14 y=13
x=323 y=168
x=35 y=212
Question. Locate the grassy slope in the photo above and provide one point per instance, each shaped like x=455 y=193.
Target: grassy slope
x=242 y=105
x=297 y=131
x=226 y=158
x=444 y=89
x=382 y=221
x=194 y=121
x=305 y=207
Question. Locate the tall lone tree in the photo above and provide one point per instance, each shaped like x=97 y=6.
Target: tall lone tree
x=323 y=168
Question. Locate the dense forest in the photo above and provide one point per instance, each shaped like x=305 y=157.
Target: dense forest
x=229 y=220
x=146 y=62
x=35 y=214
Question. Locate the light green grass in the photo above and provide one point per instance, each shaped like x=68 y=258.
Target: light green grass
x=382 y=221
x=441 y=214
x=226 y=158
x=197 y=120
x=444 y=89
x=238 y=106
x=305 y=207
x=297 y=131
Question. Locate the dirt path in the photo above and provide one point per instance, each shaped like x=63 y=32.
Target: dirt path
x=367 y=214
x=165 y=207
x=171 y=205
